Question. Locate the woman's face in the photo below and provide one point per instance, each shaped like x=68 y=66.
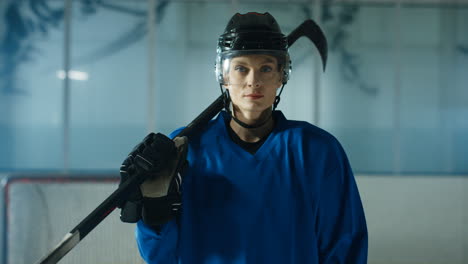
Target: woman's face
x=252 y=81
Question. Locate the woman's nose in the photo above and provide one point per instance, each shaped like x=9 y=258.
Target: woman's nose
x=253 y=79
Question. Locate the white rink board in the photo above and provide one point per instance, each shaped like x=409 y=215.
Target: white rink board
x=411 y=219
x=40 y=214
x=416 y=219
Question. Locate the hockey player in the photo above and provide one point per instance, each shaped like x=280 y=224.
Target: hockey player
x=257 y=188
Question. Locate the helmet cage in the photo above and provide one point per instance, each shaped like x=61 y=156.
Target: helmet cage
x=284 y=62
x=245 y=43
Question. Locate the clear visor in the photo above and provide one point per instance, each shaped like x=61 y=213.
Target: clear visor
x=252 y=69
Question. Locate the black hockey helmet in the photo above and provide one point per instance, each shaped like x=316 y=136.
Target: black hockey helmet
x=252 y=33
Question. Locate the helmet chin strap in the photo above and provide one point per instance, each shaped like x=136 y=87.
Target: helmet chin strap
x=278 y=98
x=227 y=101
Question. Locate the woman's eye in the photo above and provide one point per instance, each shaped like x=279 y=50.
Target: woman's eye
x=266 y=69
x=240 y=69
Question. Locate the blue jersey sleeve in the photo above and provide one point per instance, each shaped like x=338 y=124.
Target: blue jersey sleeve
x=341 y=224
x=157 y=246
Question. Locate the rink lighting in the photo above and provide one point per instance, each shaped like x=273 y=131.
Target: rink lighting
x=73 y=75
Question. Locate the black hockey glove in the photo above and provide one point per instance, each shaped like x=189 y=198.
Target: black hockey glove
x=159 y=196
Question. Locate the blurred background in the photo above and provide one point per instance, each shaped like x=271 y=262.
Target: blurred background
x=83 y=81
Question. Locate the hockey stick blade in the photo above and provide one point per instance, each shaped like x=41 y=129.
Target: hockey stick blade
x=312 y=31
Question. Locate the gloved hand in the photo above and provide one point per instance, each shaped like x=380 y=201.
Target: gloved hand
x=159 y=196
x=168 y=180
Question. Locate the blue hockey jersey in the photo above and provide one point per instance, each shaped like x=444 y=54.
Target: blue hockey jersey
x=294 y=201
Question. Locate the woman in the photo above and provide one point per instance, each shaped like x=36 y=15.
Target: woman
x=258 y=188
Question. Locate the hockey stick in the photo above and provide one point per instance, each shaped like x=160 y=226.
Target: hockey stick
x=309 y=29
x=312 y=31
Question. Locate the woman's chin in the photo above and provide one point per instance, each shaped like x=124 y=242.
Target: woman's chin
x=253 y=110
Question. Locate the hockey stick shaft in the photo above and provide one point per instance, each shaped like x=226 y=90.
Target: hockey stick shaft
x=110 y=203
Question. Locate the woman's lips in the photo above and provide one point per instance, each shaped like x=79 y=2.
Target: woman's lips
x=253 y=96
